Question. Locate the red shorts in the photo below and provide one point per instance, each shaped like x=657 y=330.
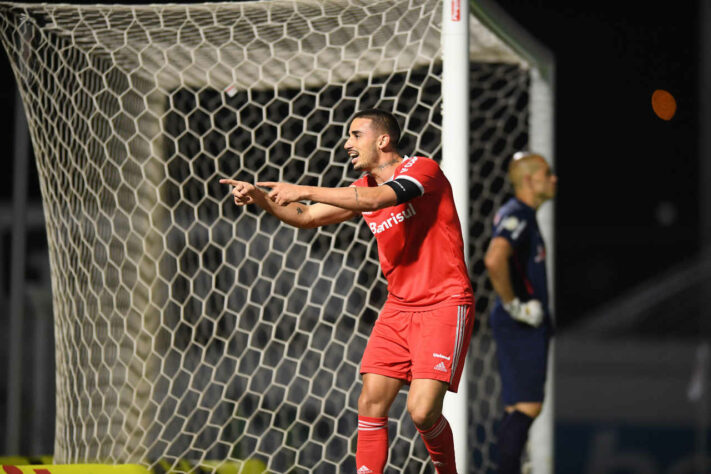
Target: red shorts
x=428 y=344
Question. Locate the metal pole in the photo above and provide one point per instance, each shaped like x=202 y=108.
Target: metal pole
x=704 y=124
x=541 y=436
x=455 y=164
x=704 y=218
x=17 y=279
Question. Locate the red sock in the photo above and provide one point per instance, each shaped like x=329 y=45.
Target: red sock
x=372 y=447
x=440 y=444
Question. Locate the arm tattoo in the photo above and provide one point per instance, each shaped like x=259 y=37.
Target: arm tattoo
x=298 y=210
x=356 y=194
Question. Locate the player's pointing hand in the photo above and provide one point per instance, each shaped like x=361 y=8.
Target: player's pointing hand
x=283 y=193
x=242 y=191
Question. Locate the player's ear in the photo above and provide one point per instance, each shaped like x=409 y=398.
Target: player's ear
x=383 y=141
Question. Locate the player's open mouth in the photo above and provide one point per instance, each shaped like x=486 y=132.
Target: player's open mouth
x=353 y=155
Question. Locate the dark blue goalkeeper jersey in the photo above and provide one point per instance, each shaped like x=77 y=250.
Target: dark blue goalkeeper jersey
x=516 y=222
x=522 y=350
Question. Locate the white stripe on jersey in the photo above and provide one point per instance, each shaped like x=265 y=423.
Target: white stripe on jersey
x=459 y=339
x=519 y=229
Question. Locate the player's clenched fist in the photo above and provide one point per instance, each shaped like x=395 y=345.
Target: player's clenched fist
x=241 y=191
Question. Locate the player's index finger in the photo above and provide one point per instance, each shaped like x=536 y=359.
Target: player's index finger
x=267 y=184
x=228 y=181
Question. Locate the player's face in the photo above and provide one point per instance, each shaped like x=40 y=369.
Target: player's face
x=361 y=145
x=544 y=182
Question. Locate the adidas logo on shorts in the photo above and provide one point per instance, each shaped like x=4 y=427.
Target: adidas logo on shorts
x=364 y=470
x=441 y=367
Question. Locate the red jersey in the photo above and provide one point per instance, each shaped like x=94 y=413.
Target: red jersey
x=420 y=243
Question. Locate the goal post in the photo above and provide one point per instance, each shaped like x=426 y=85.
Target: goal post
x=455 y=165
x=188 y=329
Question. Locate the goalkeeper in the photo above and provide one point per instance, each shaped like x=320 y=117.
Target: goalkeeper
x=520 y=321
x=423 y=331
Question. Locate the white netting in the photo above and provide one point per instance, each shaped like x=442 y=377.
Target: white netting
x=190 y=329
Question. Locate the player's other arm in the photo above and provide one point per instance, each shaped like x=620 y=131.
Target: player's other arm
x=497 y=264
x=295 y=213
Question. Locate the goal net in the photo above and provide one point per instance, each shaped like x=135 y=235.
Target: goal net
x=190 y=332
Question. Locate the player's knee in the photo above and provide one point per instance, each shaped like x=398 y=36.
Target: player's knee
x=532 y=409
x=423 y=415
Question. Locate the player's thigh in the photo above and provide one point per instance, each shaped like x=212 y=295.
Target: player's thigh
x=387 y=352
x=438 y=343
x=377 y=394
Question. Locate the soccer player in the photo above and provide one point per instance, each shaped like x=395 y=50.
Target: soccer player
x=423 y=331
x=520 y=320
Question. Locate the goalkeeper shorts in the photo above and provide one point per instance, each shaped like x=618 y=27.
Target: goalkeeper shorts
x=429 y=344
x=522 y=354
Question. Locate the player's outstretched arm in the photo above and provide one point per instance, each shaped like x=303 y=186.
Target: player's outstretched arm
x=353 y=198
x=295 y=213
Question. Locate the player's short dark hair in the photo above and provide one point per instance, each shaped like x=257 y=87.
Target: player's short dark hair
x=385 y=121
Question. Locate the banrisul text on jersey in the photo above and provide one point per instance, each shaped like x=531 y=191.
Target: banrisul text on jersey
x=393 y=220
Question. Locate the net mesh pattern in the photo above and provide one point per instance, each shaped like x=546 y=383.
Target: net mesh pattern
x=188 y=329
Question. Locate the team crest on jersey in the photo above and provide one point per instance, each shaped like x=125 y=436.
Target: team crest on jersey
x=510 y=223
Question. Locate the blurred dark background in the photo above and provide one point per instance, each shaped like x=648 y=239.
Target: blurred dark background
x=628 y=203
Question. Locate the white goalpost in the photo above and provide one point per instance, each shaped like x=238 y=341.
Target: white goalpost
x=455 y=165
x=194 y=334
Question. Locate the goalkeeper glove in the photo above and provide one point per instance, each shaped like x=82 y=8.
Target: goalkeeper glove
x=530 y=312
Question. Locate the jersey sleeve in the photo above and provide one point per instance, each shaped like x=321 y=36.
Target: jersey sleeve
x=512 y=226
x=424 y=173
